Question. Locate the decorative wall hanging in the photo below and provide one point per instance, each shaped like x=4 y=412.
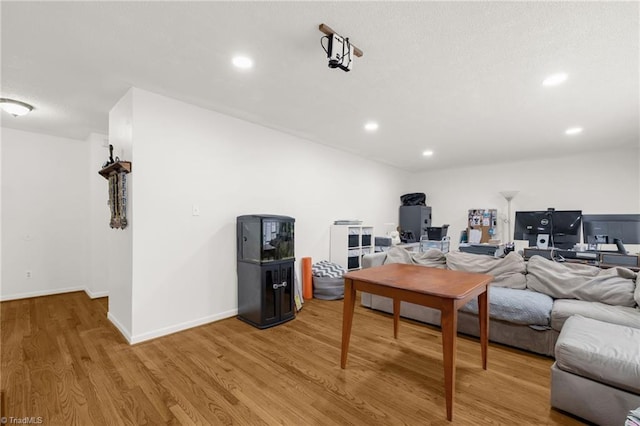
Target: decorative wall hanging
x=116 y=172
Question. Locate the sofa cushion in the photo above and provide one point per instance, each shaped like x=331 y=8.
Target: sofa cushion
x=516 y=306
x=373 y=259
x=432 y=257
x=614 y=286
x=636 y=294
x=564 y=308
x=507 y=272
x=606 y=353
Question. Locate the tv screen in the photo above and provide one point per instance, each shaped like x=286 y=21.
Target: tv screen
x=562 y=226
x=566 y=222
x=605 y=228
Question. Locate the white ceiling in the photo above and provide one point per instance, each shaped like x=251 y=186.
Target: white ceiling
x=460 y=78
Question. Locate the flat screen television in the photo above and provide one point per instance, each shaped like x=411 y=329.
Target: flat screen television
x=616 y=229
x=553 y=228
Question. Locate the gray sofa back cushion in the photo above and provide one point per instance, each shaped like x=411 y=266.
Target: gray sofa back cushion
x=373 y=259
x=636 y=294
x=508 y=271
x=614 y=286
x=432 y=257
x=565 y=308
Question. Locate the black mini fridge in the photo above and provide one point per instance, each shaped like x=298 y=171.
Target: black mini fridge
x=265 y=262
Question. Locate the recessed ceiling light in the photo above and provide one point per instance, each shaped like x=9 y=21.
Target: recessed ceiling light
x=242 y=62
x=427 y=153
x=573 y=130
x=15 y=108
x=555 y=79
x=371 y=126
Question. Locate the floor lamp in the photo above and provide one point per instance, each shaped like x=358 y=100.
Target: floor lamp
x=509 y=195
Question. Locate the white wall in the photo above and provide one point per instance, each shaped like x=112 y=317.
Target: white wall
x=119 y=241
x=172 y=270
x=97 y=284
x=1 y=216
x=44 y=214
x=604 y=182
x=184 y=266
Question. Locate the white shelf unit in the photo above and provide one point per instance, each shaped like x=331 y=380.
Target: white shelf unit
x=349 y=243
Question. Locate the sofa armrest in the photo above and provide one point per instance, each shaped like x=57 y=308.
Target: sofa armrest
x=373 y=259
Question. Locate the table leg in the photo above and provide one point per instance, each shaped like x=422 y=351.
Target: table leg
x=396 y=317
x=449 y=325
x=483 y=316
x=347 y=319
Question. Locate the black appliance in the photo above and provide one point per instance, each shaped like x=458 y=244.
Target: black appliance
x=265 y=262
x=415 y=219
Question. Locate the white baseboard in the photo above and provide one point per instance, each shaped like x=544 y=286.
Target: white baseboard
x=91 y=294
x=181 y=327
x=40 y=293
x=125 y=333
x=96 y=294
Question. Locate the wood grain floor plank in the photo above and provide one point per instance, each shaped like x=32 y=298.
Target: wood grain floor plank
x=63 y=360
x=252 y=385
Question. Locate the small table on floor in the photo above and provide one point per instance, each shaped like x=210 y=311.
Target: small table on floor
x=441 y=289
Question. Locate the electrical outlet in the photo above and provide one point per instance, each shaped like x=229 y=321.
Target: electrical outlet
x=28 y=274
x=195 y=210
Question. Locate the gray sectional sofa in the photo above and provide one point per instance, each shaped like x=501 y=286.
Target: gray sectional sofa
x=529 y=304
x=528 y=301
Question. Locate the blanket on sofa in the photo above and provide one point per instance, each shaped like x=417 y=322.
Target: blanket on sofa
x=432 y=257
x=516 y=306
x=507 y=272
x=614 y=286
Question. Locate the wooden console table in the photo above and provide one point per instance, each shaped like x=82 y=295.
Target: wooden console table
x=441 y=289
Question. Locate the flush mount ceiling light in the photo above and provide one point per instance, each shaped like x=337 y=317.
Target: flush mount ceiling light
x=371 y=126
x=427 y=153
x=555 y=79
x=15 y=108
x=573 y=131
x=242 y=62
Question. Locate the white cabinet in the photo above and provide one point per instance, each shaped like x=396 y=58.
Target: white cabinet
x=349 y=243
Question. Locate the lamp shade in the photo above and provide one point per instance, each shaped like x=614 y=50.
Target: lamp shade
x=509 y=195
x=15 y=108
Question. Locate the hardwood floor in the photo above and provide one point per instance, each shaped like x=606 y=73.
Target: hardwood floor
x=63 y=361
